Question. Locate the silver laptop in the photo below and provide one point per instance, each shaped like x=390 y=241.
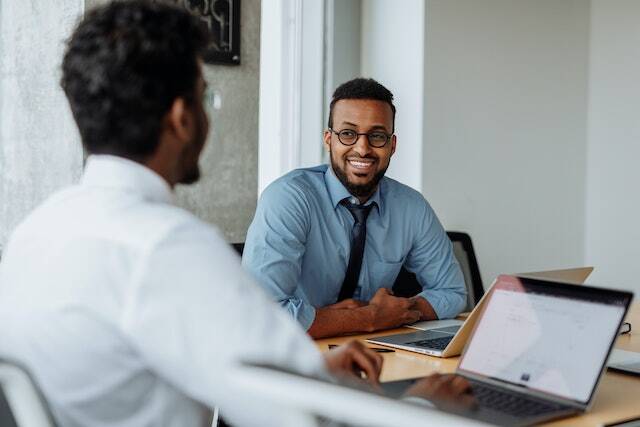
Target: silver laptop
x=446 y=338
x=538 y=350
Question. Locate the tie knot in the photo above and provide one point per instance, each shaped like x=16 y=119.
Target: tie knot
x=359 y=212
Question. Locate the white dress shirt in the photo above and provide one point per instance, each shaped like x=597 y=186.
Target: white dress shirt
x=129 y=310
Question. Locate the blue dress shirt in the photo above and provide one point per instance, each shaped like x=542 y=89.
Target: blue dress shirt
x=298 y=244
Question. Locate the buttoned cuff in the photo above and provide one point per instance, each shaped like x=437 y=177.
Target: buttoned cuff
x=305 y=315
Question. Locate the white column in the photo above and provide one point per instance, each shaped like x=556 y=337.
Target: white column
x=291 y=87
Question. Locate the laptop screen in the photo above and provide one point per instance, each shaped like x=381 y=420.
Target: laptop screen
x=546 y=336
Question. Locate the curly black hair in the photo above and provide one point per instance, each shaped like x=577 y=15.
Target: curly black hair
x=361 y=88
x=124 y=66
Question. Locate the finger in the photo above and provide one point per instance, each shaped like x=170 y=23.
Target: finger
x=430 y=384
x=357 y=303
x=403 y=302
x=346 y=304
x=440 y=382
x=368 y=361
x=460 y=385
x=414 y=303
x=412 y=316
x=383 y=291
x=468 y=401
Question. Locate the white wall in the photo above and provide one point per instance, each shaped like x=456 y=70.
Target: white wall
x=39 y=144
x=393 y=54
x=613 y=199
x=505 y=128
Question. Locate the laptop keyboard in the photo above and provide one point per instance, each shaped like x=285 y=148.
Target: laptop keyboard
x=512 y=404
x=434 y=343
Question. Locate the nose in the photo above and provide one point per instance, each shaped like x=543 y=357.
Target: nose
x=362 y=146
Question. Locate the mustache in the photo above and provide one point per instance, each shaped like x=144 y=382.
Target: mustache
x=357 y=156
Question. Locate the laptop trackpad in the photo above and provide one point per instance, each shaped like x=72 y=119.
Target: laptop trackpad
x=412 y=337
x=448 y=330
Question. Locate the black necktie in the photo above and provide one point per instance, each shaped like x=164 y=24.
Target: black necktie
x=358 y=237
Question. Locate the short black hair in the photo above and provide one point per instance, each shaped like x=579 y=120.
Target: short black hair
x=125 y=64
x=361 y=88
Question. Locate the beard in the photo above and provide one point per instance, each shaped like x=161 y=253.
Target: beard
x=192 y=155
x=365 y=190
x=191 y=176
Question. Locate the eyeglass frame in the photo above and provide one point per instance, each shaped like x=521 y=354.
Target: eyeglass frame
x=358 y=135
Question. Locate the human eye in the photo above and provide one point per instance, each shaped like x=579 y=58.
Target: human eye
x=378 y=137
x=347 y=135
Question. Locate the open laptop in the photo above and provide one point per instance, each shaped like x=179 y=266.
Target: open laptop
x=538 y=350
x=446 y=338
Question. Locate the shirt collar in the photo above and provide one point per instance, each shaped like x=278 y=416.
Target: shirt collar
x=338 y=192
x=120 y=173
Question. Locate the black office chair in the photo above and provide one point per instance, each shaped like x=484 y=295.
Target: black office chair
x=239 y=247
x=406 y=284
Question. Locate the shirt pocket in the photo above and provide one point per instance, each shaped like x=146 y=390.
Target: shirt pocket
x=384 y=274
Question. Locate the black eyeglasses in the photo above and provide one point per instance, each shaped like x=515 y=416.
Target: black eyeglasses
x=376 y=138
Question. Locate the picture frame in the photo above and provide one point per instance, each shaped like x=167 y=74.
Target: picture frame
x=221 y=19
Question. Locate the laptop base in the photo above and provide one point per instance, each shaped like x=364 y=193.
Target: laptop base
x=396 y=389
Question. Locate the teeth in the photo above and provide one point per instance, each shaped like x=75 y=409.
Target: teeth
x=360 y=164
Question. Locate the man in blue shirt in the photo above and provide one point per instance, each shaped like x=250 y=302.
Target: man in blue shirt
x=327 y=243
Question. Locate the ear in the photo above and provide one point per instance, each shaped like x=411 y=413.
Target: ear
x=326 y=139
x=393 y=144
x=179 y=120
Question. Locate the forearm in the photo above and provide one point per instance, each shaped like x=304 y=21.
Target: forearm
x=333 y=322
x=425 y=308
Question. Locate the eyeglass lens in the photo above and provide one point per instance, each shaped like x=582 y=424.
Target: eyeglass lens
x=376 y=139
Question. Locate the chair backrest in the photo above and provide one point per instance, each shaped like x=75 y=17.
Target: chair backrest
x=21 y=403
x=303 y=399
x=466 y=256
x=239 y=247
x=407 y=285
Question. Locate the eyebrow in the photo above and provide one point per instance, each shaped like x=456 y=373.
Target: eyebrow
x=374 y=127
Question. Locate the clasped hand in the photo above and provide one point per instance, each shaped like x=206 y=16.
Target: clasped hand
x=386 y=310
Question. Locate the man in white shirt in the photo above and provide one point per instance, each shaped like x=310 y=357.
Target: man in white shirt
x=127 y=309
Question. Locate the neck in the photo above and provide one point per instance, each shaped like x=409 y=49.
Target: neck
x=163 y=161
x=162 y=169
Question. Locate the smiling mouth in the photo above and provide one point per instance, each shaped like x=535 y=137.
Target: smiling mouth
x=359 y=164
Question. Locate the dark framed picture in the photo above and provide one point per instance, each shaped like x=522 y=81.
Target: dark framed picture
x=221 y=18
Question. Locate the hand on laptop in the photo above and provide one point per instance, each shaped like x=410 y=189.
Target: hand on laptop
x=389 y=311
x=444 y=390
x=354 y=361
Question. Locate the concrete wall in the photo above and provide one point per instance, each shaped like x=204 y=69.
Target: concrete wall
x=226 y=195
x=505 y=128
x=613 y=201
x=40 y=148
